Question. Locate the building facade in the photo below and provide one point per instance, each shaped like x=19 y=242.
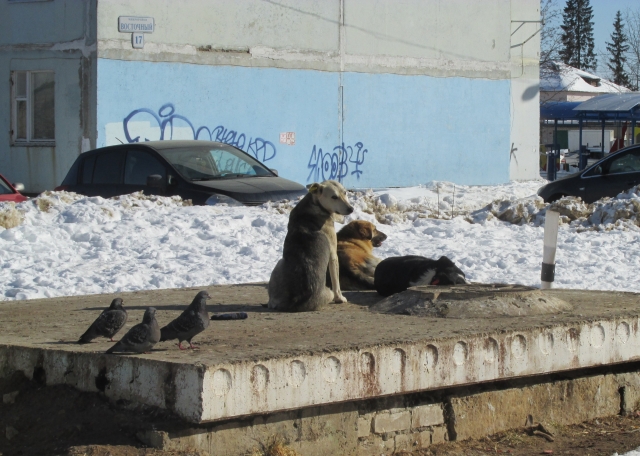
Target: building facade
x=561 y=82
x=371 y=93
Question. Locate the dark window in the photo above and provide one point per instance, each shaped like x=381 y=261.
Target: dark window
x=87 y=169
x=108 y=169
x=141 y=165
x=33 y=106
x=626 y=163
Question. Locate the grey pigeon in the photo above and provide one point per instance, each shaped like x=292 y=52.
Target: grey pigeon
x=142 y=337
x=191 y=322
x=108 y=323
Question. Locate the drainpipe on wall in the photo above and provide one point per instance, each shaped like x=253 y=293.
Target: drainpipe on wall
x=342 y=45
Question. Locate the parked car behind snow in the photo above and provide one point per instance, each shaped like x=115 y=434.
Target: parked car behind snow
x=609 y=176
x=205 y=172
x=11 y=192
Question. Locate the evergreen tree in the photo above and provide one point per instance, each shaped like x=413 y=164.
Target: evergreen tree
x=577 y=35
x=618 y=48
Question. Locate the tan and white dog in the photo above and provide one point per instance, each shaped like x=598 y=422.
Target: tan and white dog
x=297 y=282
x=356 y=241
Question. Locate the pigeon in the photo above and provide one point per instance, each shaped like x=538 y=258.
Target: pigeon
x=108 y=323
x=191 y=322
x=142 y=337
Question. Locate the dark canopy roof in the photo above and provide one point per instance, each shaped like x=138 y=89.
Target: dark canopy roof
x=561 y=110
x=614 y=106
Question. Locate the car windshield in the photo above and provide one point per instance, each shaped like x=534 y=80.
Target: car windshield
x=206 y=163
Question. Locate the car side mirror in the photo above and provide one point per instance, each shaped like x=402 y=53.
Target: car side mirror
x=154 y=180
x=274 y=171
x=19 y=186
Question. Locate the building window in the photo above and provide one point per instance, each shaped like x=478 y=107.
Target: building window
x=33 y=107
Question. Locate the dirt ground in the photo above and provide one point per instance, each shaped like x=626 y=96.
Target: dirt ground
x=59 y=420
x=592 y=438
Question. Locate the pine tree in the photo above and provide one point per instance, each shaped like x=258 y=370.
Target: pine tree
x=577 y=35
x=618 y=48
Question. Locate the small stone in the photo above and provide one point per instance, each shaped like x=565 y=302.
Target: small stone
x=427 y=415
x=364 y=426
x=11 y=432
x=10 y=398
x=391 y=422
x=403 y=442
x=439 y=435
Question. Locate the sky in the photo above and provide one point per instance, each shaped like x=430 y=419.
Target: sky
x=604 y=14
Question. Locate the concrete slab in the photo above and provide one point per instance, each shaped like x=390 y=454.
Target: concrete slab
x=275 y=362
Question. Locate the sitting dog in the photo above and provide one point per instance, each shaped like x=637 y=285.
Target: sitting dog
x=396 y=274
x=356 y=241
x=297 y=282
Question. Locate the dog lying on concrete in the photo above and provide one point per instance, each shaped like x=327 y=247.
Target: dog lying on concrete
x=356 y=241
x=297 y=283
x=396 y=274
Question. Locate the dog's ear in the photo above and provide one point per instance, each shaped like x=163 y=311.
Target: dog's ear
x=444 y=261
x=365 y=231
x=315 y=188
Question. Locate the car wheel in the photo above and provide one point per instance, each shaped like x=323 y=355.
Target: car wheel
x=554 y=198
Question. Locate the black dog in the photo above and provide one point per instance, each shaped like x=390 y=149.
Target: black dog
x=396 y=274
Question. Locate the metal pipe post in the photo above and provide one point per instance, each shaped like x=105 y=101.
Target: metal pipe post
x=547 y=274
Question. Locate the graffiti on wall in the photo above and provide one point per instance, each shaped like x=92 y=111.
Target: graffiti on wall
x=335 y=164
x=166 y=124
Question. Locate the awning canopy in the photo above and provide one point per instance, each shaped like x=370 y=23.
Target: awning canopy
x=614 y=106
x=560 y=110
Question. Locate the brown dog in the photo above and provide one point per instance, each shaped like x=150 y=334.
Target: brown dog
x=355 y=254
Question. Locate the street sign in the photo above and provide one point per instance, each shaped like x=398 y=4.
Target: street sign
x=137 y=40
x=288 y=138
x=129 y=24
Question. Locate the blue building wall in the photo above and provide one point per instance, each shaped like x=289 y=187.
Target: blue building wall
x=379 y=130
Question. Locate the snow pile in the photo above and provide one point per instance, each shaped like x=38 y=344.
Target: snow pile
x=438 y=200
x=69 y=244
x=10 y=217
x=621 y=212
x=516 y=211
x=66 y=244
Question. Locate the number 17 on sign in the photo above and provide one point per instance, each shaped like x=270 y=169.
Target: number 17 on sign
x=137 y=40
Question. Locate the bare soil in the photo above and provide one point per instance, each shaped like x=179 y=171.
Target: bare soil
x=59 y=420
x=615 y=434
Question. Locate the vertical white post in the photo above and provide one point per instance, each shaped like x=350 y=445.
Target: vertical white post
x=549 y=250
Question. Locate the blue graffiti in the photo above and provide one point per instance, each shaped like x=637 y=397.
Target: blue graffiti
x=335 y=164
x=167 y=121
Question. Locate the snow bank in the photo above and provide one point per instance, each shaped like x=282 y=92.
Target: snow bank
x=62 y=244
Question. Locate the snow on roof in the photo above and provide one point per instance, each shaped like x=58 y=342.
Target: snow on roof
x=570 y=79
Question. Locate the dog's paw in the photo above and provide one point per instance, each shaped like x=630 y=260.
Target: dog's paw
x=339 y=299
